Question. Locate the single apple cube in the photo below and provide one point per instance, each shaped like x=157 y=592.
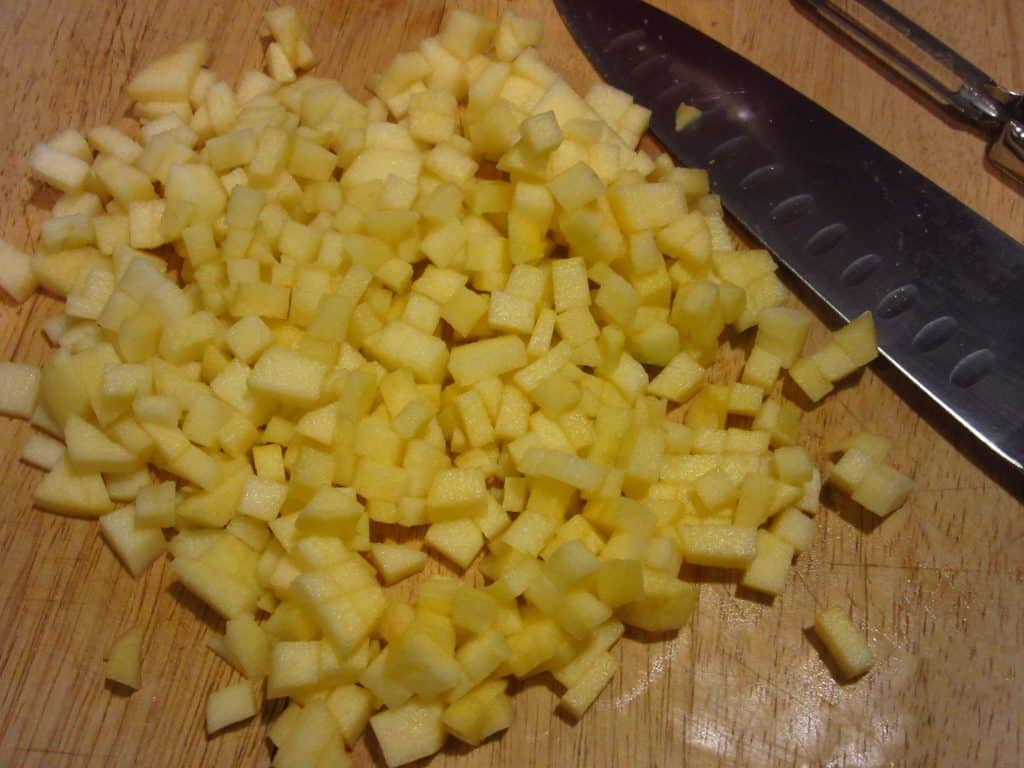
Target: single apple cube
x=170 y=77
x=457 y=493
x=782 y=332
x=17 y=277
x=679 y=380
x=883 y=490
x=715 y=491
x=230 y=705
x=620 y=582
x=576 y=187
x=262 y=499
x=541 y=133
x=768 y=570
x=249 y=645
x=850 y=471
x=761 y=369
x=874 y=446
x=792 y=465
x=470 y=363
x=395 y=562
x=647 y=206
x=42 y=451
x=287 y=376
x=124 y=661
x=19 y=389
x=795 y=527
x=411 y=731
x=459 y=540
x=845 y=643
x=294 y=668
x=726 y=546
x=352 y=707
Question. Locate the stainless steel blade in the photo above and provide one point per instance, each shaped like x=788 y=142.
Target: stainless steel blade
x=862 y=229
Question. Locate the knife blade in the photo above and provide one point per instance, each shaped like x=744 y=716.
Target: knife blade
x=860 y=228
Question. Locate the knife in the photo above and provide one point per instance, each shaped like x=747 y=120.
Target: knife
x=860 y=228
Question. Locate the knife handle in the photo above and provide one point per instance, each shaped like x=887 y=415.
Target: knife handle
x=935 y=68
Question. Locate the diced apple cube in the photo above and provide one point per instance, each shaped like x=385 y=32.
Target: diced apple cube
x=882 y=490
x=19 y=389
x=125 y=659
x=762 y=368
x=845 y=643
x=647 y=206
x=783 y=331
x=715 y=491
x=17 y=277
x=229 y=705
x=287 y=376
x=395 y=562
x=679 y=380
x=719 y=546
x=352 y=707
x=459 y=540
x=249 y=644
x=850 y=471
x=792 y=465
x=795 y=527
x=541 y=133
x=409 y=732
x=767 y=571
x=457 y=493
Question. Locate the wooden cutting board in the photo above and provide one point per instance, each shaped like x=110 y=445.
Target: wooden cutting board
x=939 y=585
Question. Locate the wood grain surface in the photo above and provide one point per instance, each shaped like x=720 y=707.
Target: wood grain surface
x=939 y=585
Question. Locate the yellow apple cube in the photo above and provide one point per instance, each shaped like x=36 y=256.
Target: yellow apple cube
x=882 y=490
x=858 y=340
x=230 y=705
x=726 y=546
x=395 y=562
x=845 y=643
x=459 y=540
x=411 y=731
x=125 y=659
x=767 y=571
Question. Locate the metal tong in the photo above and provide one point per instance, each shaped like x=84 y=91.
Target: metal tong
x=940 y=72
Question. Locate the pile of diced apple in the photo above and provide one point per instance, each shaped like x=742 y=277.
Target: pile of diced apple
x=309 y=338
